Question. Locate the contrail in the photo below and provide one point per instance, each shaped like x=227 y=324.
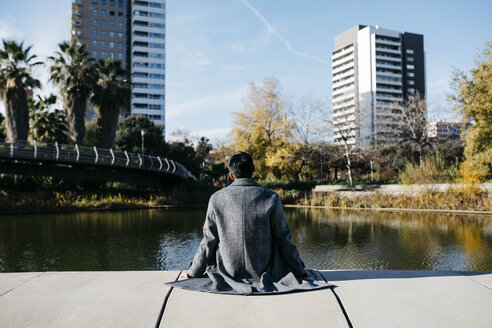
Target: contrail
x=274 y=32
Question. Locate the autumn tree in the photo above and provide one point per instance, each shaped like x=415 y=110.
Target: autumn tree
x=263 y=130
x=473 y=100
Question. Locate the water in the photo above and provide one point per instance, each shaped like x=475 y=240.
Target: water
x=168 y=239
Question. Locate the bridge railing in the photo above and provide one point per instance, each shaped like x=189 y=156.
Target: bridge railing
x=74 y=154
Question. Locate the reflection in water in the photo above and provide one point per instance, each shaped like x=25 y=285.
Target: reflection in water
x=168 y=239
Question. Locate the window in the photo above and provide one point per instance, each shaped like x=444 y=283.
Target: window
x=120 y=3
x=157 y=86
x=410 y=51
x=158 y=66
x=111 y=3
x=120 y=24
x=103 y=43
x=120 y=55
x=157 y=45
x=157 y=76
x=111 y=23
x=94 y=53
x=94 y=32
x=94 y=22
x=103 y=32
x=411 y=74
x=111 y=34
x=103 y=2
x=157 y=35
x=103 y=12
x=156 y=25
x=120 y=35
x=94 y=2
x=111 y=44
x=153 y=106
x=410 y=66
x=411 y=90
x=120 y=45
x=154 y=55
x=120 y=14
x=157 y=15
x=111 y=55
x=410 y=59
x=103 y=54
x=103 y=22
x=94 y=12
x=410 y=82
x=94 y=43
x=111 y=13
x=156 y=5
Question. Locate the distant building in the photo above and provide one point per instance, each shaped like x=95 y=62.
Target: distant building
x=133 y=31
x=373 y=71
x=443 y=130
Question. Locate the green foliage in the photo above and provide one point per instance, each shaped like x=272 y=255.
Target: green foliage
x=90 y=136
x=46 y=125
x=129 y=137
x=16 y=63
x=431 y=170
x=263 y=130
x=73 y=71
x=3 y=135
x=111 y=97
x=473 y=100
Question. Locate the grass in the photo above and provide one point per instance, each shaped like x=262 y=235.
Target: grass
x=467 y=198
x=11 y=201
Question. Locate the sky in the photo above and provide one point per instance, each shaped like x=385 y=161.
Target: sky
x=215 y=47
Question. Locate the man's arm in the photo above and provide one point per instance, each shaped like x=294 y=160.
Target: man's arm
x=206 y=250
x=283 y=238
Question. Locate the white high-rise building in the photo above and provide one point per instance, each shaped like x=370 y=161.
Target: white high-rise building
x=373 y=71
x=148 y=59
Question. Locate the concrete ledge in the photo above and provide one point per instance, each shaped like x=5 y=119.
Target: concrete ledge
x=396 y=188
x=135 y=299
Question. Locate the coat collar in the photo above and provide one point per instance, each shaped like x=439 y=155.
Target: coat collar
x=244 y=182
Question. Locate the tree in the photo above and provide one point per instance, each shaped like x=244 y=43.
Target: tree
x=16 y=65
x=45 y=125
x=74 y=72
x=111 y=95
x=202 y=149
x=263 y=130
x=129 y=136
x=308 y=132
x=411 y=123
x=2 y=127
x=473 y=100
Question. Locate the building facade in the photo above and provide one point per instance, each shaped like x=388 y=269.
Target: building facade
x=442 y=130
x=373 y=71
x=133 y=31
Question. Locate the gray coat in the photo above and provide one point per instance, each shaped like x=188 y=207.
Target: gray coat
x=247 y=245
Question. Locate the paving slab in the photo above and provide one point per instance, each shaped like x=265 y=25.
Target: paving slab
x=413 y=298
x=86 y=299
x=484 y=278
x=304 y=309
x=10 y=281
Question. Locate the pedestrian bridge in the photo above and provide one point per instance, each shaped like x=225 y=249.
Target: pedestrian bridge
x=77 y=163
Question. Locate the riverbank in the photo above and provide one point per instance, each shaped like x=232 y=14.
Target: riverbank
x=466 y=199
x=141 y=299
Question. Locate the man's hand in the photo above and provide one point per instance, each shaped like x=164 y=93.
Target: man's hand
x=184 y=275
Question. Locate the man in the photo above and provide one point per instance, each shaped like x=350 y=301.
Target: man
x=247 y=245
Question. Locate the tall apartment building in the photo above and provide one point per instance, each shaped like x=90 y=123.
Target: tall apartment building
x=373 y=71
x=133 y=31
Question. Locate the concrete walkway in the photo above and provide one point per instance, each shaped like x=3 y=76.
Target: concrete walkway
x=140 y=299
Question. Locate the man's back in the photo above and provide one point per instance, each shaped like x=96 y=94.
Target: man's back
x=246 y=230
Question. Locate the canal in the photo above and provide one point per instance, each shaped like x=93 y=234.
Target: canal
x=166 y=239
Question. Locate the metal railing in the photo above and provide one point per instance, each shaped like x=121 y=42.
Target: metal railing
x=74 y=154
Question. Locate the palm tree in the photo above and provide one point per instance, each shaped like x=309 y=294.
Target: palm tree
x=111 y=96
x=16 y=64
x=46 y=125
x=74 y=72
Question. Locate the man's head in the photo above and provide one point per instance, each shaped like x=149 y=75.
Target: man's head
x=240 y=165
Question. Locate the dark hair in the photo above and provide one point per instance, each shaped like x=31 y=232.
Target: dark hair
x=240 y=164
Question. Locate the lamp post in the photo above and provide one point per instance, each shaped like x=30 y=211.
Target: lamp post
x=143 y=133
